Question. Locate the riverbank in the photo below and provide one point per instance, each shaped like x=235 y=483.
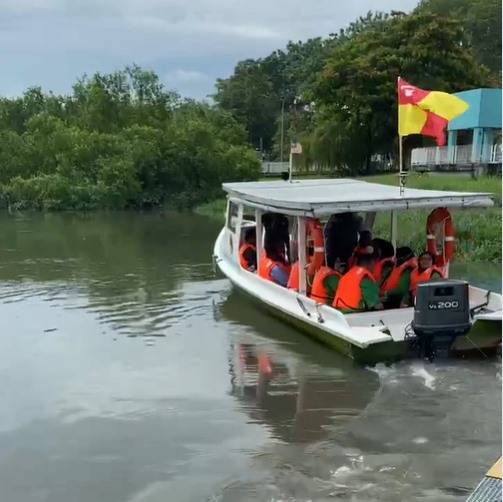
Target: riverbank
x=478 y=233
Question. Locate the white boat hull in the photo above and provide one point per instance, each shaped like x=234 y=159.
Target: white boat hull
x=369 y=337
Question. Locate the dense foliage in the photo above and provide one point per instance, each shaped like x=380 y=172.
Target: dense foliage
x=481 y=21
x=117 y=141
x=121 y=140
x=338 y=95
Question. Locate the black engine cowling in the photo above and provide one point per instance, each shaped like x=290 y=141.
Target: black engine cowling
x=441 y=314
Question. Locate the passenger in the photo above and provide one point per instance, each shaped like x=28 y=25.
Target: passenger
x=425 y=271
x=248 y=250
x=325 y=284
x=273 y=266
x=364 y=247
x=357 y=290
x=386 y=249
x=281 y=228
x=294 y=279
x=341 y=237
x=276 y=230
x=395 y=290
x=386 y=261
x=365 y=243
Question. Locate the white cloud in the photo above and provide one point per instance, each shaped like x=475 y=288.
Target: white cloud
x=180 y=75
x=191 y=83
x=201 y=27
x=51 y=42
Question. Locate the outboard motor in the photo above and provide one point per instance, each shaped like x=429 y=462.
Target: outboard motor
x=441 y=314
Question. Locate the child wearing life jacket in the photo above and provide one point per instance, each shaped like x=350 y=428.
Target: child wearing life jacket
x=364 y=248
x=386 y=259
x=325 y=283
x=425 y=271
x=273 y=265
x=395 y=289
x=357 y=290
x=248 y=250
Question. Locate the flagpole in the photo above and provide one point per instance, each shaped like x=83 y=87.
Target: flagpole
x=295 y=149
x=401 y=174
x=290 y=165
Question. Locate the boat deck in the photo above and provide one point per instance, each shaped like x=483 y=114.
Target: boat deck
x=490 y=316
x=489 y=489
x=396 y=320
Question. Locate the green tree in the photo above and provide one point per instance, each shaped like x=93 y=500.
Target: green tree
x=117 y=141
x=356 y=93
x=481 y=21
x=249 y=95
x=283 y=77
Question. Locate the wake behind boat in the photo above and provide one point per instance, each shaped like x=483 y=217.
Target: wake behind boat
x=447 y=316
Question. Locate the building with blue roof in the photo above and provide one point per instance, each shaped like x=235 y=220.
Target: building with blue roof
x=473 y=138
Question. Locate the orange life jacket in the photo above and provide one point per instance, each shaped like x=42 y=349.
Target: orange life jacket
x=242 y=250
x=262 y=268
x=393 y=280
x=318 y=291
x=349 y=293
x=266 y=265
x=380 y=266
x=359 y=251
x=263 y=258
x=294 y=278
x=281 y=252
x=417 y=277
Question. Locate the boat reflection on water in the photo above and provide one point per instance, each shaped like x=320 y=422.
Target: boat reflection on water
x=301 y=391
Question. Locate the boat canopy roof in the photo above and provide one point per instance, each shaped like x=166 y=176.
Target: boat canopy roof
x=323 y=197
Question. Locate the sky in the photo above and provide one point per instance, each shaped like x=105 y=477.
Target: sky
x=188 y=43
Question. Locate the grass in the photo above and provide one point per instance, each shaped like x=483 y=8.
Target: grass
x=215 y=208
x=453 y=182
x=478 y=232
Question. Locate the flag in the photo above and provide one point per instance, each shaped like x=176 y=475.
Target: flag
x=426 y=112
x=296 y=148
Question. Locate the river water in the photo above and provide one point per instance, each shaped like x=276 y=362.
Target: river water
x=129 y=372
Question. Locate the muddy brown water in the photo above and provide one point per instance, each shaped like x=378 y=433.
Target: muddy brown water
x=129 y=372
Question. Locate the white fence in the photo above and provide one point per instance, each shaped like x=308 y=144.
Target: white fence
x=274 y=167
x=455 y=155
x=495 y=154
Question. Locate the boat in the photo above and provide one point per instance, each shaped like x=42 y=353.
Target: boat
x=489 y=489
x=369 y=337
